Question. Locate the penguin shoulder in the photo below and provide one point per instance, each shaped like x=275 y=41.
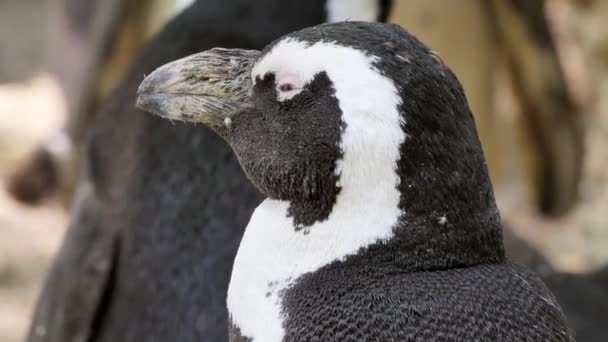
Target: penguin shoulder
x=488 y=302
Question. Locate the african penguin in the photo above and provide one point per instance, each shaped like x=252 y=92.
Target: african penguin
x=366 y=179
x=380 y=222
x=161 y=207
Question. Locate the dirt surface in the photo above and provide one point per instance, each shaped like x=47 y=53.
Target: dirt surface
x=29 y=239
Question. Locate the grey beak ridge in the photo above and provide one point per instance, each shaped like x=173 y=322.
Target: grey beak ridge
x=207 y=87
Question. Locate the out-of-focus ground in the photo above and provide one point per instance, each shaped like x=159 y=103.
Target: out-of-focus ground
x=30 y=111
x=29 y=237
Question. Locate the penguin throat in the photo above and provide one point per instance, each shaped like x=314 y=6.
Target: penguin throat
x=361 y=190
x=365 y=180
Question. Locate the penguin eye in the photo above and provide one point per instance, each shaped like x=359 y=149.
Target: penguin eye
x=285 y=87
x=288 y=85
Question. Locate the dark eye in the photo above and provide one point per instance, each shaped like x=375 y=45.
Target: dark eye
x=285 y=87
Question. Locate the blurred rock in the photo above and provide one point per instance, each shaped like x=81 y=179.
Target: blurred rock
x=28 y=112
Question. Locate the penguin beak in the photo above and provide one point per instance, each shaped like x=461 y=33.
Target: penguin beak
x=208 y=87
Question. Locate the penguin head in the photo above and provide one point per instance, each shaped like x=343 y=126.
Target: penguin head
x=337 y=109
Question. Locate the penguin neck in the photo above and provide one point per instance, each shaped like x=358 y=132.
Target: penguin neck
x=365 y=212
x=365 y=190
x=449 y=214
x=393 y=219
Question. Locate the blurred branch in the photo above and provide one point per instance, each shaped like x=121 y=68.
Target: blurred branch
x=552 y=126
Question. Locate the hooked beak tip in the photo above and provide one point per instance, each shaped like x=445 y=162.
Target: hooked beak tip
x=144 y=96
x=141 y=102
x=152 y=93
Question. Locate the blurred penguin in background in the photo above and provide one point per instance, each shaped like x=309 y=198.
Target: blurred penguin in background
x=155 y=226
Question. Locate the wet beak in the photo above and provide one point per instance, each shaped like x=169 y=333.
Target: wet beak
x=209 y=87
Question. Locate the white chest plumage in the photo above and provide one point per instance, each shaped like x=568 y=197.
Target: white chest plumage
x=273 y=255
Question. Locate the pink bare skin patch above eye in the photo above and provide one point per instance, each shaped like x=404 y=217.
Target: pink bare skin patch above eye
x=288 y=85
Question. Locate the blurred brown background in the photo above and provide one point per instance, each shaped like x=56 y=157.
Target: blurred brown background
x=540 y=100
